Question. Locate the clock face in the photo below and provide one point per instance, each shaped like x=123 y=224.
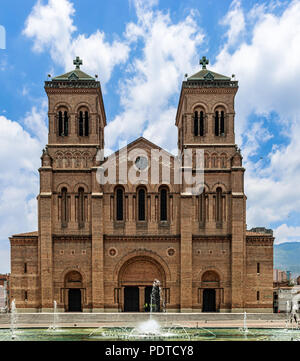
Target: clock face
x=141 y=163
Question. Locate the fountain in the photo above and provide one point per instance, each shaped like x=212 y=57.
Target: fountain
x=53 y=327
x=13 y=320
x=244 y=329
x=151 y=329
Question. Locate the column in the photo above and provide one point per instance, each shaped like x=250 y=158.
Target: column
x=97 y=253
x=142 y=298
x=186 y=254
x=97 y=245
x=45 y=238
x=238 y=240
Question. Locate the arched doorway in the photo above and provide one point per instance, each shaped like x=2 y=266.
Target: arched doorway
x=136 y=278
x=210 y=283
x=73 y=286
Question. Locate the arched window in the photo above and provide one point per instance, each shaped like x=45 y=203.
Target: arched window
x=223 y=160
x=217 y=133
x=202 y=208
x=141 y=204
x=63 y=123
x=214 y=161
x=220 y=122
x=64 y=207
x=219 y=208
x=83 y=123
x=163 y=204
x=119 y=204
x=60 y=123
x=199 y=123
x=206 y=160
x=86 y=123
x=81 y=215
x=196 y=123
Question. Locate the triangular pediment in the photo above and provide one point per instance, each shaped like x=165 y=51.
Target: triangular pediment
x=209 y=76
x=73 y=76
x=143 y=144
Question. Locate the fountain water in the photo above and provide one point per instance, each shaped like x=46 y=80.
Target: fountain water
x=244 y=330
x=13 y=320
x=53 y=327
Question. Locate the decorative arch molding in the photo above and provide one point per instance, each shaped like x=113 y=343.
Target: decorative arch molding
x=145 y=255
x=63 y=105
x=81 y=185
x=124 y=187
x=206 y=188
x=157 y=187
x=83 y=105
x=72 y=159
x=74 y=269
x=200 y=105
x=221 y=105
x=214 y=269
x=61 y=186
x=219 y=185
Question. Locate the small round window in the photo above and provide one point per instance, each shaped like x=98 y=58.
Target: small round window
x=141 y=163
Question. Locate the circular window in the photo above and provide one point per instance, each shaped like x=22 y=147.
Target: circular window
x=141 y=163
x=171 y=252
x=112 y=252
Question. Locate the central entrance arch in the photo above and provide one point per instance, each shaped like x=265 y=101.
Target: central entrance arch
x=210 y=283
x=136 y=277
x=73 y=285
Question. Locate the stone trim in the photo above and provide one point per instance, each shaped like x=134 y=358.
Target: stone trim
x=45 y=194
x=24 y=241
x=97 y=195
x=158 y=238
x=57 y=238
x=260 y=240
x=210 y=238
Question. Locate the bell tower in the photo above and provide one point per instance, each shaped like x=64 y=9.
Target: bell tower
x=76 y=110
x=206 y=113
x=70 y=200
x=205 y=120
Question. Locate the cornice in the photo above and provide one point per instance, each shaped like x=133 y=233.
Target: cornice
x=63 y=238
x=260 y=240
x=24 y=241
x=155 y=238
x=210 y=238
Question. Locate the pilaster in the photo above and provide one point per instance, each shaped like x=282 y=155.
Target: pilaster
x=186 y=274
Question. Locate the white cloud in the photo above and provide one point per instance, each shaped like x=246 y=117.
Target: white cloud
x=19 y=180
x=268 y=69
x=235 y=21
x=35 y=121
x=155 y=77
x=51 y=27
x=267 y=66
x=285 y=233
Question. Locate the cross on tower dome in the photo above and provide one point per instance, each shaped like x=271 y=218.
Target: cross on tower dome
x=77 y=62
x=204 y=62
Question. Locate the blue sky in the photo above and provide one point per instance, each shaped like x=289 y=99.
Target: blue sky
x=141 y=51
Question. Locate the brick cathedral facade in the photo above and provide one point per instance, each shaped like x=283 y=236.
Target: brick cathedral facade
x=99 y=248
